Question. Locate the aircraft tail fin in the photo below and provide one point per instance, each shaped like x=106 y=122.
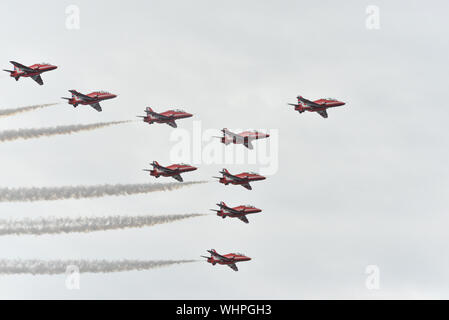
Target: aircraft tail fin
x=155 y=163
x=11 y=73
x=148 y=110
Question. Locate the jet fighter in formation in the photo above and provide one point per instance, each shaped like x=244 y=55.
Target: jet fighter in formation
x=239 y=212
x=320 y=105
x=34 y=71
x=242 y=179
x=167 y=117
x=92 y=99
x=244 y=138
x=173 y=170
x=229 y=259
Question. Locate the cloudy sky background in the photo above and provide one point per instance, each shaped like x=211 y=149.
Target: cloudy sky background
x=367 y=186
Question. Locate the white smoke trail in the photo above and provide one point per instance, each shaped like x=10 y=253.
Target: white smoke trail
x=10 y=135
x=13 y=111
x=54 y=225
x=36 y=267
x=94 y=191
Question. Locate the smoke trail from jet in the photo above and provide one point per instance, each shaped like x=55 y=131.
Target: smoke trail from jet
x=50 y=267
x=13 y=111
x=80 y=192
x=55 y=225
x=10 y=135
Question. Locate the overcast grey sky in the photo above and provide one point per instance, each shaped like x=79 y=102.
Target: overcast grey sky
x=367 y=186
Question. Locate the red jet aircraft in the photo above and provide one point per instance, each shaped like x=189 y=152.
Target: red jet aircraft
x=229 y=259
x=167 y=117
x=320 y=105
x=242 y=179
x=33 y=71
x=244 y=138
x=92 y=99
x=173 y=171
x=236 y=212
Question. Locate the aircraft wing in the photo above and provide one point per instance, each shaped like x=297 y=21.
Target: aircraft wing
x=247 y=186
x=249 y=145
x=96 y=106
x=323 y=113
x=231 y=210
x=230 y=133
x=232 y=176
x=165 y=169
x=237 y=137
x=21 y=66
x=233 y=266
x=172 y=124
x=244 y=219
x=309 y=103
x=38 y=79
x=219 y=256
x=158 y=115
x=177 y=177
x=81 y=96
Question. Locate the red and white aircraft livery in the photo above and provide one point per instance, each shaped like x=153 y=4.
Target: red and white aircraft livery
x=229 y=259
x=167 y=117
x=173 y=170
x=242 y=179
x=320 y=105
x=235 y=212
x=92 y=99
x=244 y=138
x=33 y=71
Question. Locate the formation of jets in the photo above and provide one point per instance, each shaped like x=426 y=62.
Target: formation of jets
x=169 y=117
